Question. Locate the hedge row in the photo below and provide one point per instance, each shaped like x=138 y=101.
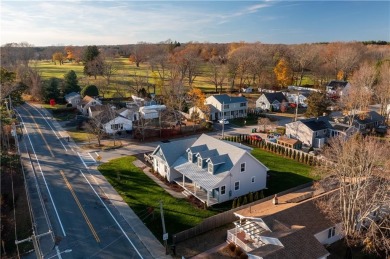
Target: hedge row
x=275 y=148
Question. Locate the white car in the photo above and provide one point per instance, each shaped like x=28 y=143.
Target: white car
x=224 y=121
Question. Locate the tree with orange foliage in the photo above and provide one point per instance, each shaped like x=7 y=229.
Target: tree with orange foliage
x=283 y=73
x=58 y=56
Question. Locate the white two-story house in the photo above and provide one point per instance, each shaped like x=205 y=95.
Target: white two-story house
x=227 y=107
x=212 y=170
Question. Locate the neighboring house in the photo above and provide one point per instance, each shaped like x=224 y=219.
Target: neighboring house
x=247 y=90
x=151 y=111
x=118 y=124
x=289 y=230
x=227 y=107
x=337 y=88
x=366 y=122
x=129 y=113
x=363 y=122
x=312 y=132
x=211 y=170
x=204 y=114
x=73 y=98
x=299 y=98
x=87 y=102
x=271 y=101
x=94 y=111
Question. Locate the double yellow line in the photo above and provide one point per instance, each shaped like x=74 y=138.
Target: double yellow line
x=81 y=208
x=40 y=132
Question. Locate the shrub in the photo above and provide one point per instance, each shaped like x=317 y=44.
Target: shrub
x=238 y=251
x=90 y=90
x=232 y=247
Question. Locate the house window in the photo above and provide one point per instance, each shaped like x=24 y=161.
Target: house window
x=200 y=162
x=242 y=167
x=166 y=168
x=223 y=190
x=331 y=232
x=253 y=179
x=236 y=186
x=232 y=113
x=156 y=163
x=190 y=156
x=210 y=168
x=226 y=106
x=116 y=126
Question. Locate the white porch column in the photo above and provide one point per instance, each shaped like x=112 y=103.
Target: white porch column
x=183 y=179
x=194 y=187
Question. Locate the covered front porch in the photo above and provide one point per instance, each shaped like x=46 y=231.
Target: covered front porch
x=209 y=197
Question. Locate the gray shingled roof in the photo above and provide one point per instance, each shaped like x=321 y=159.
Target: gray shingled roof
x=279 y=96
x=319 y=123
x=226 y=99
x=173 y=150
x=369 y=117
x=218 y=160
x=208 y=153
x=196 y=149
x=335 y=84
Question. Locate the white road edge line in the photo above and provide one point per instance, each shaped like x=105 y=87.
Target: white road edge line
x=58 y=253
x=44 y=179
x=124 y=233
x=49 y=125
x=92 y=157
x=82 y=160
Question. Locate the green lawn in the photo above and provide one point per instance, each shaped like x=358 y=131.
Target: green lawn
x=141 y=194
x=80 y=136
x=284 y=173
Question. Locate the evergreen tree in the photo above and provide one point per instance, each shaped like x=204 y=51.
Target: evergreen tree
x=51 y=90
x=71 y=83
x=90 y=90
x=317 y=103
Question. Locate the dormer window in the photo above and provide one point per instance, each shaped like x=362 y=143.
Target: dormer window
x=210 y=168
x=190 y=157
x=200 y=162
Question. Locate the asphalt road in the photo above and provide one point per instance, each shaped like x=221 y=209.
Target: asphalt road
x=84 y=223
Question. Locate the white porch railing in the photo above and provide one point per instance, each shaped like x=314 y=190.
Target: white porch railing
x=232 y=237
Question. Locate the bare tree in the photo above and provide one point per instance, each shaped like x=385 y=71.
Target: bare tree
x=359 y=168
x=218 y=73
x=382 y=88
x=357 y=98
x=265 y=123
x=304 y=56
x=95 y=125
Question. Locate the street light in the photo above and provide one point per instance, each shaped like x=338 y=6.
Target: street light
x=63 y=252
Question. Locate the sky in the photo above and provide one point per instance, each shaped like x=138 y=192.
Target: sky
x=79 y=23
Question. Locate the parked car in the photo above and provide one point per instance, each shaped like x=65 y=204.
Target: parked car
x=255 y=137
x=224 y=121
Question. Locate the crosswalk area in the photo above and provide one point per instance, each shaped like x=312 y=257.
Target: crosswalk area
x=87 y=159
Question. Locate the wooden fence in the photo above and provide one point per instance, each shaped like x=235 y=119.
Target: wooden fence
x=225 y=217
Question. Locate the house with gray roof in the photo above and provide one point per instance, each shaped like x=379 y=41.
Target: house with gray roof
x=311 y=132
x=211 y=170
x=227 y=107
x=337 y=88
x=271 y=101
x=73 y=98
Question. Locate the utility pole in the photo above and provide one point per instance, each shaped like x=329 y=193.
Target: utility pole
x=165 y=234
x=296 y=108
x=223 y=120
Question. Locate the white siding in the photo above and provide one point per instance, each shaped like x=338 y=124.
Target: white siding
x=323 y=238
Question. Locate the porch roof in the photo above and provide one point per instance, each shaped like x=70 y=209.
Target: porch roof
x=199 y=175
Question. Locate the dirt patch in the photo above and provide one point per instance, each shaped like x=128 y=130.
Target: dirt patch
x=203 y=242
